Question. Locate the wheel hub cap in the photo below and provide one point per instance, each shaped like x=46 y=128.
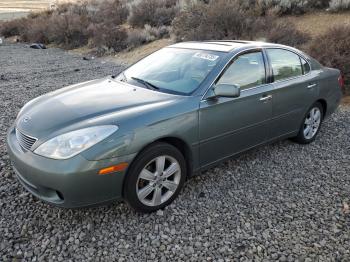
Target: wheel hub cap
x=158 y=180
x=312 y=123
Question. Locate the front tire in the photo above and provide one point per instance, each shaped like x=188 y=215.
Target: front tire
x=311 y=124
x=155 y=178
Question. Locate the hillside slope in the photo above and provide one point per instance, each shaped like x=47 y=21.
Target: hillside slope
x=10 y=9
x=317 y=23
x=314 y=24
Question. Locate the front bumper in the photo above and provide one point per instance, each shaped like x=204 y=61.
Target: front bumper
x=68 y=183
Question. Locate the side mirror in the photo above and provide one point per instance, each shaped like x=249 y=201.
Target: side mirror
x=227 y=90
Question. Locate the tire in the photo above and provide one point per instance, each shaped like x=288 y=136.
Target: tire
x=146 y=188
x=315 y=123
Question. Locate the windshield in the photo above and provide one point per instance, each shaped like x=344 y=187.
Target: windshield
x=172 y=70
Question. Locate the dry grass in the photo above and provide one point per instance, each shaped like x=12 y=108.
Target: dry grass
x=32 y=4
x=318 y=23
x=12 y=9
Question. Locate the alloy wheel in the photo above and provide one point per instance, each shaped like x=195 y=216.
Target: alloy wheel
x=312 y=123
x=158 y=180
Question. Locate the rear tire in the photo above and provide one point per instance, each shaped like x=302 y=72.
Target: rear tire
x=311 y=124
x=155 y=178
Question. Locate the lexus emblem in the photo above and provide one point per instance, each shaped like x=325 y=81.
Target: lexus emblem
x=26 y=119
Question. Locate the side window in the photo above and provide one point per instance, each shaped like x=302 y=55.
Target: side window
x=305 y=65
x=285 y=64
x=246 y=71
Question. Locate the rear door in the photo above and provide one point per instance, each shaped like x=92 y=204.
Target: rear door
x=231 y=125
x=295 y=88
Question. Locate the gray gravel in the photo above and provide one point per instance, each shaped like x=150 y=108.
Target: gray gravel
x=278 y=202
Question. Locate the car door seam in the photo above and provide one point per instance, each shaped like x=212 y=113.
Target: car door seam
x=233 y=132
x=245 y=150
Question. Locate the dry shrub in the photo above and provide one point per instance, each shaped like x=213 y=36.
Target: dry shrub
x=68 y=30
x=105 y=31
x=111 y=12
x=339 y=5
x=318 y=3
x=285 y=33
x=333 y=49
x=223 y=20
x=67 y=26
x=217 y=20
x=36 y=31
x=34 y=28
x=107 y=37
x=277 y=7
x=13 y=28
x=138 y=37
x=153 y=13
x=295 y=7
x=281 y=7
x=157 y=32
x=187 y=24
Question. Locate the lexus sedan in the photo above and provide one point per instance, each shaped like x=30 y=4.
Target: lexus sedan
x=139 y=135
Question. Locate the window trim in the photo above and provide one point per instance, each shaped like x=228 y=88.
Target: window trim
x=245 y=51
x=292 y=77
x=302 y=68
x=301 y=64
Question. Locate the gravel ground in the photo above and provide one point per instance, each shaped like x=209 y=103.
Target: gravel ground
x=282 y=202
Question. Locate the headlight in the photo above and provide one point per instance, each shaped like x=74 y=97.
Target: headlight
x=72 y=143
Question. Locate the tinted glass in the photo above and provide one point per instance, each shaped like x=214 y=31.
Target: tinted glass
x=173 y=70
x=285 y=64
x=305 y=65
x=246 y=71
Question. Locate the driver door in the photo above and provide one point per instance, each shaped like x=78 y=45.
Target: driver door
x=228 y=126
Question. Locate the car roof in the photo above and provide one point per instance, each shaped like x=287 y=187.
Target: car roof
x=224 y=45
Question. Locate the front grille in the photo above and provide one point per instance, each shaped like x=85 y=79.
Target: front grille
x=25 y=141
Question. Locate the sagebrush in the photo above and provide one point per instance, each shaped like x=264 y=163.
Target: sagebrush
x=333 y=49
x=221 y=20
x=74 y=25
x=153 y=12
x=338 y=5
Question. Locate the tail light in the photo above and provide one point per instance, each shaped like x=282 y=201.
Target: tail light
x=341 y=81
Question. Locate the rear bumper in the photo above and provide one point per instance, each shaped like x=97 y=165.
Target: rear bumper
x=67 y=183
x=333 y=102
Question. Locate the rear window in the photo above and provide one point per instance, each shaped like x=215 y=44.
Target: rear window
x=315 y=64
x=285 y=64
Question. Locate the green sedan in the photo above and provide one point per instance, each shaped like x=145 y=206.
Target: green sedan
x=139 y=135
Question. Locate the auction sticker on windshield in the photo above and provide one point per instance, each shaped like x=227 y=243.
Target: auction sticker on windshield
x=206 y=56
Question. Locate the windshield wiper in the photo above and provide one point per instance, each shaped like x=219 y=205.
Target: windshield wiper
x=146 y=83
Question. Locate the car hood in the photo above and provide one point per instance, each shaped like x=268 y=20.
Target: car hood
x=84 y=103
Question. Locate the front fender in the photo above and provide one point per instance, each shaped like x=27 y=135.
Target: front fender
x=137 y=132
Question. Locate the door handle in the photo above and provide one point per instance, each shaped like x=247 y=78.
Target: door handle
x=311 y=86
x=265 y=98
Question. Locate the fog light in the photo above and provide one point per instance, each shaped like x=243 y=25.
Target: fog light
x=111 y=169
